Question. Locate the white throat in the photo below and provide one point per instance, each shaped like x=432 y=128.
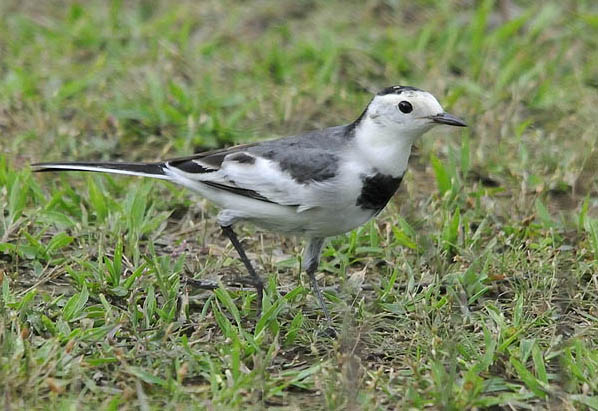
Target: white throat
x=384 y=146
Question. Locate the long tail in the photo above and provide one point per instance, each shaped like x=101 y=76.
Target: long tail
x=154 y=170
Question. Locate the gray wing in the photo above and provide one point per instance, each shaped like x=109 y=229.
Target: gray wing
x=289 y=171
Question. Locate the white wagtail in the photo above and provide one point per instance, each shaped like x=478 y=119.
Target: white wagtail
x=318 y=184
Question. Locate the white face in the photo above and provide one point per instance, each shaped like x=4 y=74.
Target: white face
x=394 y=119
x=410 y=112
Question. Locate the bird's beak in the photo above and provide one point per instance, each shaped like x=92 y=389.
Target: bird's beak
x=448 y=119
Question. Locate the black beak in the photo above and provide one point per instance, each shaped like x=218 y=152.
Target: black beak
x=448 y=119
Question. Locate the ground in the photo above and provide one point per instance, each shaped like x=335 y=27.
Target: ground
x=477 y=287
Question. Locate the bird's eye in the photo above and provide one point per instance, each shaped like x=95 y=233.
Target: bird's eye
x=405 y=107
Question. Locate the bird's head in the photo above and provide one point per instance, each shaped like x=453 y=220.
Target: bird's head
x=392 y=121
x=408 y=111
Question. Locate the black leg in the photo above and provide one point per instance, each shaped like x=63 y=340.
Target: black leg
x=311 y=260
x=314 y=286
x=257 y=281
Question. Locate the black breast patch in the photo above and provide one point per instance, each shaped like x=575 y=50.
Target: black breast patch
x=377 y=190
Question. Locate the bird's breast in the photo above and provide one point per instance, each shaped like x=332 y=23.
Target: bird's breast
x=376 y=190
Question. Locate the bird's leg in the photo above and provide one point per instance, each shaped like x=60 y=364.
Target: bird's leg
x=311 y=259
x=257 y=281
x=316 y=290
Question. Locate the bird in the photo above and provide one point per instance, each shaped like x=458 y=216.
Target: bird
x=317 y=185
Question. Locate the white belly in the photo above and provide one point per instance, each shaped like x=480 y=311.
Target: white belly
x=316 y=222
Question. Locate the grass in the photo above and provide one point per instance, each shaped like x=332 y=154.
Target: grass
x=476 y=288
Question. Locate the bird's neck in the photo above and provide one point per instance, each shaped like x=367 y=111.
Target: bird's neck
x=383 y=146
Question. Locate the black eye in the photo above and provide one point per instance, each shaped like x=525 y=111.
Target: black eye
x=405 y=107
